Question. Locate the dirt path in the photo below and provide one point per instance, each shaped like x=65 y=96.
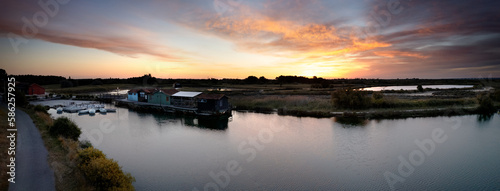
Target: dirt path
x=32 y=168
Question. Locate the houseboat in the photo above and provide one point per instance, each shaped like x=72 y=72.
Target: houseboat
x=172 y=100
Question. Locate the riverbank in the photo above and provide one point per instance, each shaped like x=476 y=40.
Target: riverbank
x=61 y=155
x=388 y=107
x=69 y=159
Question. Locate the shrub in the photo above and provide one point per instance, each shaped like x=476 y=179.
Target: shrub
x=88 y=154
x=485 y=104
x=40 y=108
x=104 y=173
x=420 y=88
x=496 y=95
x=85 y=144
x=66 y=128
x=351 y=99
x=20 y=98
x=377 y=95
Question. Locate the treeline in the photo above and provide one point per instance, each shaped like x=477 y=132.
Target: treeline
x=316 y=82
x=39 y=79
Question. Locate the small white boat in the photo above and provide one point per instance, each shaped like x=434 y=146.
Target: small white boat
x=59 y=110
x=85 y=111
x=92 y=111
x=102 y=110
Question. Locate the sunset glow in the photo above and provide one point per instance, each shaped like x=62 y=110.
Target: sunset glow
x=235 y=39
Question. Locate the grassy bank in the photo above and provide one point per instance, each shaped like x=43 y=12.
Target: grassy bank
x=4 y=145
x=387 y=107
x=61 y=155
x=56 y=88
x=290 y=102
x=71 y=169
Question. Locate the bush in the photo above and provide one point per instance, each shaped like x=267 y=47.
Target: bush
x=104 y=173
x=420 y=88
x=85 y=144
x=496 y=95
x=66 y=128
x=88 y=154
x=377 y=95
x=485 y=104
x=20 y=98
x=40 y=108
x=351 y=99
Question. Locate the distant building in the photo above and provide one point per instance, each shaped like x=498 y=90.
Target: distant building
x=213 y=103
x=30 y=89
x=185 y=99
x=132 y=95
x=140 y=95
x=162 y=96
x=176 y=85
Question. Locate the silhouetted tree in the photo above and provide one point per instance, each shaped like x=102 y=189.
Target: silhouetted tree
x=263 y=80
x=485 y=104
x=251 y=80
x=420 y=88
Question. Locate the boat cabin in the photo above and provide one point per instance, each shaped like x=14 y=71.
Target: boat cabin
x=185 y=99
x=212 y=103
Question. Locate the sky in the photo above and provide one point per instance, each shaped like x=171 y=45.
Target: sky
x=236 y=38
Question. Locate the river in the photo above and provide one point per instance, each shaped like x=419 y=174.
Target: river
x=253 y=151
x=414 y=87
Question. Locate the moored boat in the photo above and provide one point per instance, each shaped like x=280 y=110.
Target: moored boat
x=85 y=111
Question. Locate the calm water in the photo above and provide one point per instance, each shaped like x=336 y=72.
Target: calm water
x=415 y=87
x=272 y=152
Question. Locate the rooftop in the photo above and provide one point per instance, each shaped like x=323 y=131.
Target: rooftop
x=186 y=94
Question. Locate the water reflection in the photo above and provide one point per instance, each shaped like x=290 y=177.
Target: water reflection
x=212 y=123
x=168 y=152
x=348 y=122
x=484 y=117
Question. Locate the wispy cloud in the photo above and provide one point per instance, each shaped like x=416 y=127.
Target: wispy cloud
x=326 y=36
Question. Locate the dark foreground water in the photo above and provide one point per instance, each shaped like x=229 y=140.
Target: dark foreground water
x=270 y=152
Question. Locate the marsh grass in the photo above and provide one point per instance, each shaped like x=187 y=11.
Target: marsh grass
x=392 y=102
x=304 y=103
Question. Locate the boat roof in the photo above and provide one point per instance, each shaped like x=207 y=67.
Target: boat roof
x=186 y=94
